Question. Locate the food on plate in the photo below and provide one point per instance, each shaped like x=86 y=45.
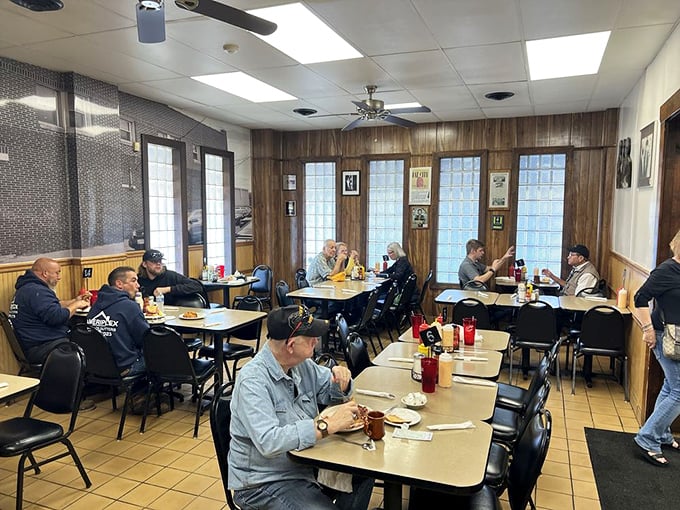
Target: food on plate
x=415 y=399
x=393 y=418
x=189 y=315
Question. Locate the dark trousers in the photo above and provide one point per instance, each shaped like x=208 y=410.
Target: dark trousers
x=38 y=353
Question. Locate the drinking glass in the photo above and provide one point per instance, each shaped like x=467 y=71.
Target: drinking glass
x=469 y=330
x=429 y=367
x=374 y=426
x=416 y=321
x=93 y=296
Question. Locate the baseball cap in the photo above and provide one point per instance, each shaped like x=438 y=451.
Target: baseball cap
x=153 y=256
x=581 y=250
x=294 y=320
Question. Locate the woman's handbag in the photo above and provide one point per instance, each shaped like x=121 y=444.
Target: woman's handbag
x=671 y=341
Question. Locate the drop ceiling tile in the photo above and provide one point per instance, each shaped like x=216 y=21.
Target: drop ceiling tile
x=634 y=48
x=562 y=90
x=352 y=75
x=445 y=98
x=196 y=91
x=650 y=12
x=338 y=104
x=489 y=64
x=420 y=69
x=377 y=27
x=84 y=17
x=298 y=81
x=472 y=22
x=462 y=114
x=558 y=108
x=542 y=19
x=18 y=29
x=508 y=111
x=520 y=89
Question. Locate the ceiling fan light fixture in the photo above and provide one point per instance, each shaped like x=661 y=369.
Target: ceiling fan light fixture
x=150 y=22
x=305 y=112
x=151 y=4
x=40 y=5
x=499 y=96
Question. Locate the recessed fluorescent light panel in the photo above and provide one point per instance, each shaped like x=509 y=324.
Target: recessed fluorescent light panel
x=560 y=57
x=304 y=37
x=401 y=105
x=245 y=86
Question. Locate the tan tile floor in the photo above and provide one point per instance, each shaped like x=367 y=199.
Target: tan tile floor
x=166 y=469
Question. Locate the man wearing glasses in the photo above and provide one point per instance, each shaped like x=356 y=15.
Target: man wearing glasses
x=583 y=274
x=275 y=409
x=155 y=279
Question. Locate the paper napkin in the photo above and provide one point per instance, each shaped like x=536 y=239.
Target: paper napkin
x=372 y=393
x=470 y=358
x=401 y=360
x=476 y=382
x=452 y=426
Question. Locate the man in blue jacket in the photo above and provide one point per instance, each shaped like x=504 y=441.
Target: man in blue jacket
x=119 y=318
x=39 y=317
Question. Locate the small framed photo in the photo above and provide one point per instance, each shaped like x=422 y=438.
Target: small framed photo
x=289 y=182
x=350 y=182
x=645 y=170
x=419 y=217
x=291 y=208
x=499 y=190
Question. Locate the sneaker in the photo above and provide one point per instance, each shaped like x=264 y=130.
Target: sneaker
x=87 y=405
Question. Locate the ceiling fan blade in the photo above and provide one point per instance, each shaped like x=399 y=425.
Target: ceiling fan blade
x=361 y=105
x=413 y=109
x=332 y=115
x=398 y=121
x=353 y=124
x=40 y=5
x=150 y=24
x=230 y=15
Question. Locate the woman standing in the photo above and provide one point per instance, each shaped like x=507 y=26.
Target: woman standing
x=401 y=269
x=663 y=285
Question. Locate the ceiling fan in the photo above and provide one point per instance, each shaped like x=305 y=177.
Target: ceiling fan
x=151 y=18
x=371 y=109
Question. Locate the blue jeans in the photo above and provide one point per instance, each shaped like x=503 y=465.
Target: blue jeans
x=657 y=429
x=304 y=495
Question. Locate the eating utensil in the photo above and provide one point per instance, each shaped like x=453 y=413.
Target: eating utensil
x=382 y=394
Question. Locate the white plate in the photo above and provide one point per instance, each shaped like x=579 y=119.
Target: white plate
x=413 y=417
x=329 y=411
x=200 y=316
x=155 y=319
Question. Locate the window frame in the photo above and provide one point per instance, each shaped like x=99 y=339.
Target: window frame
x=61 y=110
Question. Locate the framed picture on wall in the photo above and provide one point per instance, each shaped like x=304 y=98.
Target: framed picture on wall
x=499 y=190
x=350 y=182
x=289 y=182
x=646 y=156
x=419 y=217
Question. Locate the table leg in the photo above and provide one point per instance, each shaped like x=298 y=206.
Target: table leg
x=392 y=493
x=218 y=341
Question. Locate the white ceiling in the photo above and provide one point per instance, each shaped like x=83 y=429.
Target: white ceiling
x=445 y=54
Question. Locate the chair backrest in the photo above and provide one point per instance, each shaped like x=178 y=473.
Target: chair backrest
x=343 y=331
x=249 y=331
x=535 y=405
x=325 y=359
x=99 y=360
x=203 y=292
x=357 y=355
x=220 y=421
x=370 y=308
x=61 y=382
x=265 y=274
x=195 y=300
x=536 y=322
x=539 y=378
x=474 y=285
x=18 y=351
x=282 y=289
x=426 y=285
x=301 y=278
x=471 y=307
x=603 y=328
x=165 y=353
x=528 y=458
x=407 y=292
x=389 y=301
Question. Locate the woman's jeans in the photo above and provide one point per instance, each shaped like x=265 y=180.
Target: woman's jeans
x=657 y=429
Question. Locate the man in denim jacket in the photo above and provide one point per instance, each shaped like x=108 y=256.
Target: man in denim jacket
x=275 y=410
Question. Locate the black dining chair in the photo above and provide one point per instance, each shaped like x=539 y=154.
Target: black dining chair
x=401 y=310
x=25 y=367
x=364 y=324
x=220 y=421
x=471 y=307
x=417 y=300
x=60 y=392
x=509 y=425
x=356 y=355
x=101 y=368
x=602 y=334
x=473 y=285
x=235 y=352
x=204 y=294
x=194 y=300
x=168 y=362
x=536 y=329
x=261 y=289
x=282 y=290
x=381 y=315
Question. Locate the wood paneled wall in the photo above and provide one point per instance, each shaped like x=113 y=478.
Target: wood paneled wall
x=589 y=138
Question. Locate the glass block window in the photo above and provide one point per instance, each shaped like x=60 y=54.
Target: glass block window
x=214 y=203
x=458 y=213
x=164 y=206
x=540 y=209
x=385 y=207
x=319 y=220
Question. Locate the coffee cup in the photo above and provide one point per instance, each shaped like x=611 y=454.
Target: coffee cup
x=374 y=426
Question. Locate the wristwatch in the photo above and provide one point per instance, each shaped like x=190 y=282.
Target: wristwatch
x=322 y=426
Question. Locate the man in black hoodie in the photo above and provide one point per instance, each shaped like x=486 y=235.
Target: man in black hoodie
x=39 y=317
x=119 y=318
x=156 y=279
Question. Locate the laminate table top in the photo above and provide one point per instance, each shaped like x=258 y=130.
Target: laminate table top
x=491 y=340
x=13 y=386
x=452 y=296
x=583 y=304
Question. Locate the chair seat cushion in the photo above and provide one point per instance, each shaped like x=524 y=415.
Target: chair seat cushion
x=497 y=466
x=511 y=397
x=202 y=367
x=484 y=499
x=229 y=351
x=192 y=343
x=526 y=344
x=597 y=352
x=505 y=425
x=20 y=434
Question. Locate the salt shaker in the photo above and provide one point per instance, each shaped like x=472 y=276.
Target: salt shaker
x=417 y=369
